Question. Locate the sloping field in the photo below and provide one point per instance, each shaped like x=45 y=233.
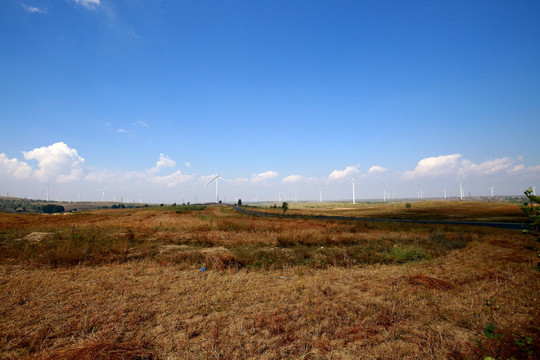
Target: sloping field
x=127 y=284
x=418 y=210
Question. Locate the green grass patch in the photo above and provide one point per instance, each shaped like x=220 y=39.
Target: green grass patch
x=404 y=254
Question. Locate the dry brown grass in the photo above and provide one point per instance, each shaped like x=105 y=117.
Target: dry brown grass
x=425 y=210
x=150 y=299
x=429 y=282
x=101 y=349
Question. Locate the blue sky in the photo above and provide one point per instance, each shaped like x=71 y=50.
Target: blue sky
x=283 y=97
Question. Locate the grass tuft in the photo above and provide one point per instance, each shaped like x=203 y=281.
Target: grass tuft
x=102 y=350
x=401 y=254
x=429 y=282
x=219 y=260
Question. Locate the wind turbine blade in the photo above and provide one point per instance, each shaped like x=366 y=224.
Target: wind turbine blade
x=214 y=178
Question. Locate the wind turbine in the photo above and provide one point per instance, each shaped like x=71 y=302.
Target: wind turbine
x=320 y=194
x=216 y=179
x=102 y=193
x=444 y=193
x=353 y=195
x=78 y=197
x=48 y=191
x=534 y=190
x=384 y=195
x=492 y=188
x=460 y=191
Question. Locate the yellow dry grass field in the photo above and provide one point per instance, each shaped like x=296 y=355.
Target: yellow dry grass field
x=128 y=284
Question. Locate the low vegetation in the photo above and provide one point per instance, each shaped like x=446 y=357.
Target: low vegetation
x=420 y=210
x=209 y=282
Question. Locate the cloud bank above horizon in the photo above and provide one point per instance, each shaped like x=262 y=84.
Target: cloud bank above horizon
x=59 y=164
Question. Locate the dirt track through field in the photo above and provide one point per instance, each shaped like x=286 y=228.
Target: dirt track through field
x=501 y=225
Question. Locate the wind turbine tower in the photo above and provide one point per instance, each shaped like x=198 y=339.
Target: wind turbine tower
x=353 y=195
x=102 y=193
x=78 y=197
x=320 y=194
x=460 y=191
x=444 y=193
x=534 y=190
x=216 y=179
x=48 y=192
x=384 y=195
x=492 y=188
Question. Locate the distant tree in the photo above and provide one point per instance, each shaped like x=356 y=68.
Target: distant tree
x=239 y=202
x=52 y=209
x=532 y=209
x=285 y=206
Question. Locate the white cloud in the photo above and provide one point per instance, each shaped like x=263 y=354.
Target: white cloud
x=187 y=164
x=239 y=181
x=340 y=174
x=486 y=168
x=14 y=168
x=57 y=161
x=264 y=176
x=532 y=170
x=433 y=167
x=33 y=9
x=141 y=123
x=293 y=179
x=88 y=3
x=101 y=176
x=164 y=161
x=171 y=180
x=122 y=131
x=518 y=168
x=114 y=176
x=376 y=169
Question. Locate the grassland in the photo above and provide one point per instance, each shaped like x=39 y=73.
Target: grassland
x=418 y=210
x=127 y=284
